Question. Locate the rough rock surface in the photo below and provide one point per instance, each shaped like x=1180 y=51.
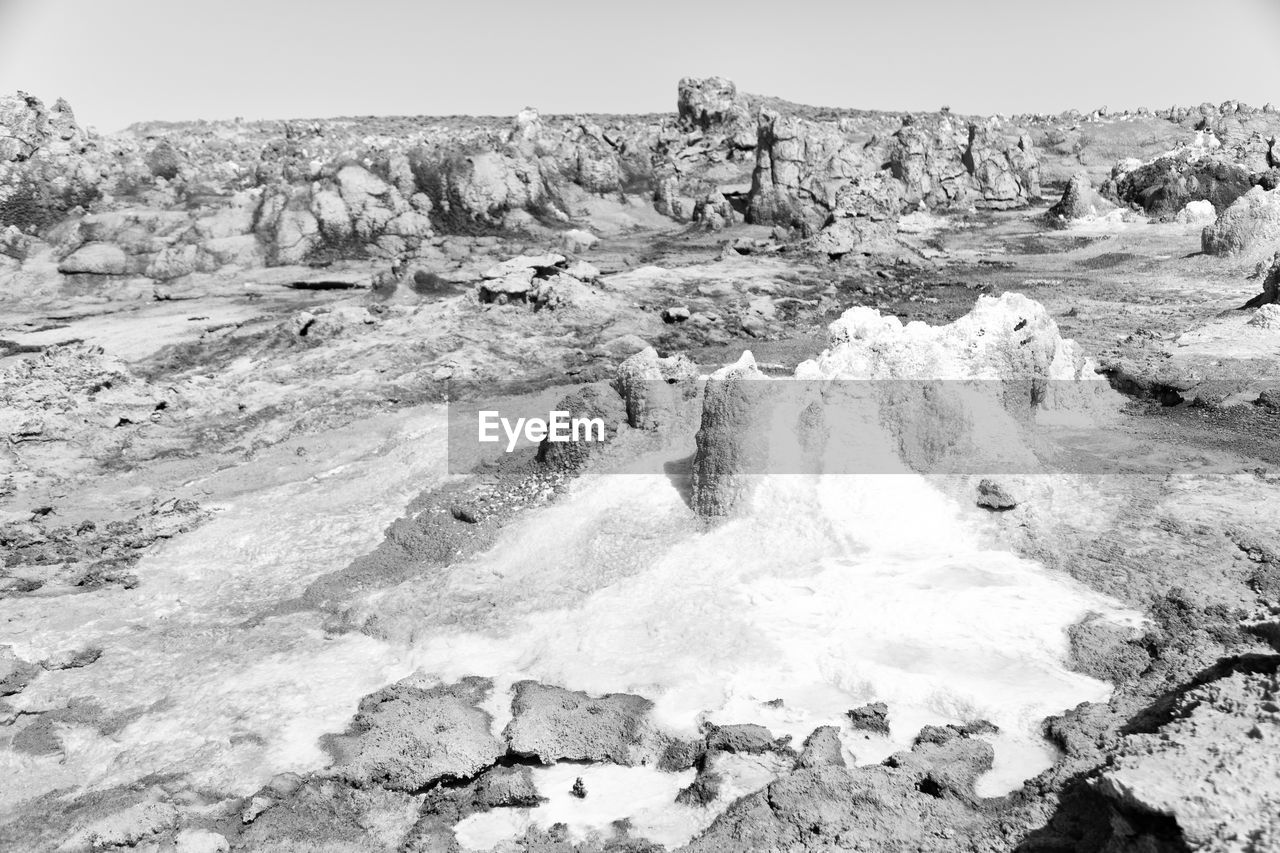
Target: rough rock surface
x=873 y=718
x=591 y=401
x=27 y=126
x=328 y=816
x=553 y=724
x=1213 y=767
x=995 y=369
x=655 y=388
x=744 y=738
x=994 y=495
x=1251 y=223
x=799 y=166
x=822 y=748
x=710 y=103
x=407 y=736
x=921 y=800
x=1079 y=201
x=1199 y=212
x=1167 y=184
x=732 y=440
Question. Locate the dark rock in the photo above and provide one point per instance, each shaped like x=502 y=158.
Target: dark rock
x=702 y=791
x=590 y=401
x=873 y=718
x=1078 y=201
x=654 y=388
x=1164 y=186
x=553 y=724
x=822 y=748
x=744 y=738
x=407 y=736
x=993 y=496
x=918 y=801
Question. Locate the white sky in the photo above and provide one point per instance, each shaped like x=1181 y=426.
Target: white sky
x=120 y=61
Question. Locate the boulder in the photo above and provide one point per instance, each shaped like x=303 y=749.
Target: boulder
x=1267 y=317
x=590 y=401
x=577 y=240
x=872 y=718
x=1196 y=213
x=1079 y=201
x=654 y=388
x=520 y=263
x=1252 y=222
x=822 y=748
x=710 y=103
x=1165 y=185
x=512 y=286
x=1270 y=274
x=994 y=496
x=745 y=739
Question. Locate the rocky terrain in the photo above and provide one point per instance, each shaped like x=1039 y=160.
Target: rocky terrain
x=935 y=510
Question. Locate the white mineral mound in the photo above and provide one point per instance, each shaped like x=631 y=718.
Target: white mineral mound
x=826 y=592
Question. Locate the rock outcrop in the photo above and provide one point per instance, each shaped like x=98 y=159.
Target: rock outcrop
x=1213 y=767
x=409 y=735
x=799 y=167
x=1252 y=222
x=553 y=724
x=941 y=165
x=1079 y=201
x=711 y=103
x=922 y=800
x=27 y=126
x=655 y=389
x=1164 y=186
x=1004 y=174
x=1270 y=285
x=956 y=398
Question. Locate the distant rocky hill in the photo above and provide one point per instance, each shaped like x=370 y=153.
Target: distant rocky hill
x=169 y=199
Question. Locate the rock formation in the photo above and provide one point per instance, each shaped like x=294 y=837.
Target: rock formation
x=1079 y=201
x=1210 y=767
x=1167 y=184
x=952 y=398
x=710 y=103
x=27 y=127
x=1251 y=223
x=408 y=736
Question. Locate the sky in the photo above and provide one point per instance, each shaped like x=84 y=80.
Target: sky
x=121 y=61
